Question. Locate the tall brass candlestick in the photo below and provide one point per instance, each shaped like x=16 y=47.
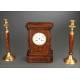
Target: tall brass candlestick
x=8 y=56
x=70 y=59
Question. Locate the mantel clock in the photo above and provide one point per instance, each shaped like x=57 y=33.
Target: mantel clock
x=39 y=42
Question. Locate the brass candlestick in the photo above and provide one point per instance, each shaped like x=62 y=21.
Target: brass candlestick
x=8 y=56
x=70 y=59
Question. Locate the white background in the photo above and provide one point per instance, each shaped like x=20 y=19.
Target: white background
x=39 y=73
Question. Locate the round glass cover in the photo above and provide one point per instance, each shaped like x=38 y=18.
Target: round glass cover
x=39 y=38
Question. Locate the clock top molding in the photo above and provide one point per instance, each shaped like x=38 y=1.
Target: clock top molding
x=39 y=25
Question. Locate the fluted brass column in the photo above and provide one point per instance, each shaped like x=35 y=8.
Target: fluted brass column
x=8 y=56
x=70 y=59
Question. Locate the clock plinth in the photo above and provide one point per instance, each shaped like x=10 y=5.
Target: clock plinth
x=35 y=58
x=39 y=42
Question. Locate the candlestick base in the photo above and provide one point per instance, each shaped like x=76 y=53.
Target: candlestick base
x=70 y=60
x=9 y=57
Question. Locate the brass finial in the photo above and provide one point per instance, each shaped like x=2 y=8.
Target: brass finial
x=5 y=24
x=72 y=24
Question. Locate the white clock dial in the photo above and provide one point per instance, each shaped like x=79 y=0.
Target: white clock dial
x=39 y=38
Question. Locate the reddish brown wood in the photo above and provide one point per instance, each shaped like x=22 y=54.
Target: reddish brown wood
x=7 y=41
x=42 y=53
x=71 y=42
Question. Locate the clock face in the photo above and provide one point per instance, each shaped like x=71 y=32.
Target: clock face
x=39 y=38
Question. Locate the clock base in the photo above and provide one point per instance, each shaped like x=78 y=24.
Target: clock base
x=40 y=58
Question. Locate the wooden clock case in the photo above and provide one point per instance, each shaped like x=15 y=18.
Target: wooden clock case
x=41 y=53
